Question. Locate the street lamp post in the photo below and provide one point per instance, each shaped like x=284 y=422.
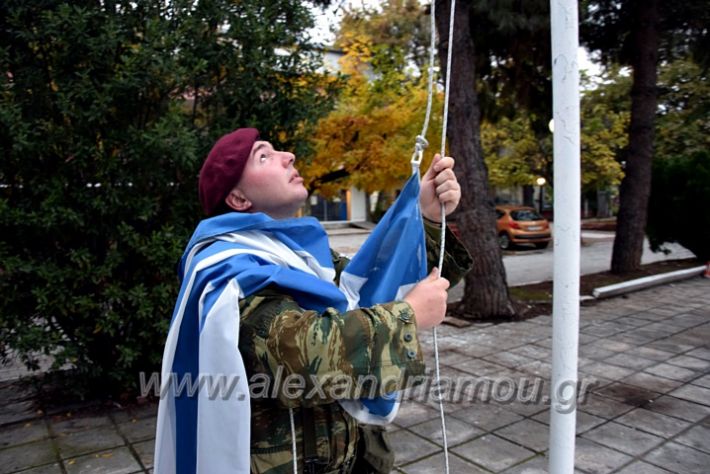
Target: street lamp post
x=540 y=182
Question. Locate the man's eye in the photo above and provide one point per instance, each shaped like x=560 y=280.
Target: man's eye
x=262 y=158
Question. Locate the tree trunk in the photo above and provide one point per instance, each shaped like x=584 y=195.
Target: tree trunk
x=486 y=294
x=636 y=185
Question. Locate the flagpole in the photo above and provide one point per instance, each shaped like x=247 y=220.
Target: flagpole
x=565 y=311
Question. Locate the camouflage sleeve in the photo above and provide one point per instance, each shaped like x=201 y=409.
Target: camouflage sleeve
x=457 y=260
x=313 y=358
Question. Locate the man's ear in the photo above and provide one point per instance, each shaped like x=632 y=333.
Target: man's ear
x=237 y=200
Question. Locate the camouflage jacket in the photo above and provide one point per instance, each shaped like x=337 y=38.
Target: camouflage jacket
x=306 y=360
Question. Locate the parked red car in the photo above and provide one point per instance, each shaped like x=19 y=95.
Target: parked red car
x=521 y=225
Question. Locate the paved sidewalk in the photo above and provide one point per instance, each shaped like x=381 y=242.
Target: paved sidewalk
x=647 y=411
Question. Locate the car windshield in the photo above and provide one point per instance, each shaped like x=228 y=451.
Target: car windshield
x=525 y=215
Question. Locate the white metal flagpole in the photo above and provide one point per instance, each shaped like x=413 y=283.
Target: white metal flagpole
x=567 y=183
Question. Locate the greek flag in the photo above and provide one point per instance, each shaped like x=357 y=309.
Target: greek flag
x=203 y=418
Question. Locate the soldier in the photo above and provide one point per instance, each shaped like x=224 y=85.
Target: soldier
x=280 y=336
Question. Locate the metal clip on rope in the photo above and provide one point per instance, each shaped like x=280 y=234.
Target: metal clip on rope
x=420 y=144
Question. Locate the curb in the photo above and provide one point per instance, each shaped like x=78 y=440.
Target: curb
x=646 y=282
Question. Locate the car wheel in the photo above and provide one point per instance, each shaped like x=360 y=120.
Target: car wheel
x=542 y=245
x=504 y=241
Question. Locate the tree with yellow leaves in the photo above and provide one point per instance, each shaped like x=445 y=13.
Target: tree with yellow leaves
x=368 y=139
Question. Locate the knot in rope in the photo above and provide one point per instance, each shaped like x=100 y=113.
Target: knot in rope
x=421 y=143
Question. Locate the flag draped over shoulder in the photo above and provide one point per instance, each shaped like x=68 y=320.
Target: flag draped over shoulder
x=203 y=418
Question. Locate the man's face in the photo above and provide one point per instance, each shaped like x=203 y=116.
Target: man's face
x=270 y=183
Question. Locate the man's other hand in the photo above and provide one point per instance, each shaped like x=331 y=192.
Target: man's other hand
x=428 y=300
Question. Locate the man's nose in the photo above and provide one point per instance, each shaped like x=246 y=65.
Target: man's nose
x=288 y=158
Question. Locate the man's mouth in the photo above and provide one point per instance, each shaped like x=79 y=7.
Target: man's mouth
x=295 y=177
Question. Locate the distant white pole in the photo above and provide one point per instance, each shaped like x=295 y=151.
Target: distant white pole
x=567 y=183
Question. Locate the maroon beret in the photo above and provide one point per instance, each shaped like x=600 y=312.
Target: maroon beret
x=224 y=166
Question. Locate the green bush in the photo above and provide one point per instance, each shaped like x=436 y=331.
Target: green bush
x=679 y=208
x=106 y=112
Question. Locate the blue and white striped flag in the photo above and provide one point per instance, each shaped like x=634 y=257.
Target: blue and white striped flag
x=203 y=418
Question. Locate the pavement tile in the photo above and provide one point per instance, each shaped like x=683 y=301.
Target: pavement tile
x=663 y=328
x=650 y=353
x=26 y=456
x=652 y=382
x=477 y=350
x=678 y=408
x=543 y=320
x=476 y=338
x=534 y=352
x=480 y=367
x=593 y=351
x=493 y=453
x=629 y=361
x=409 y=447
x=508 y=359
x=486 y=417
x=436 y=463
x=703 y=381
x=672 y=372
x=628 y=394
x=633 y=338
x=145 y=451
x=527 y=409
x=639 y=467
x=16 y=392
x=700 y=353
x=669 y=346
x=688 y=362
x=584 y=339
x=528 y=433
x=538 y=368
x=697 y=437
x=623 y=438
x=614 y=346
x=597 y=459
x=678 y=458
x=582 y=361
x=695 y=337
x=636 y=322
x=547 y=343
x=604 y=407
x=65 y=424
x=537 y=465
x=138 y=430
x=607 y=371
x=23 y=433
x=584 y=421
x=114 y=461
x=87 y=441
x=55 y=468
x=412 y=413
x=692 y=393
x=457 y=431
x=452 y=358
x=135 y=412
x=657 y=314
x=652 y=422
x=19 y=411
x=602 y=329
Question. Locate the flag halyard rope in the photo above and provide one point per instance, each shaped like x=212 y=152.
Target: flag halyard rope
x=442 y=241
